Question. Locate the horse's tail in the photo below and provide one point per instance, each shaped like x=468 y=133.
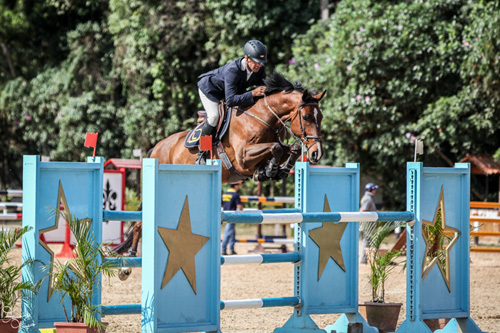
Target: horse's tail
x=148 y=155
x=126 y=244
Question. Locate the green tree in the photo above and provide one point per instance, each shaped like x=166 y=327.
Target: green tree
x=126 y=69
x=37 y=74
x=459 y=123
x=275 y=23
x=393 y=69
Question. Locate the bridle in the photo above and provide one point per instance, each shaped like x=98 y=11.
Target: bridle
x=304 y=138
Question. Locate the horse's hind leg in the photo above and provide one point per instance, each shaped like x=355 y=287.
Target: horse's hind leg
x=137 y=233
x=125 y=272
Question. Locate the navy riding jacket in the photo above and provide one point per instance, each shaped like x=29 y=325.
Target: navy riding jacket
x=229 y=82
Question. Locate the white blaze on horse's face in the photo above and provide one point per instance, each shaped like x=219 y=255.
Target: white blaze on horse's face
x=311 y=131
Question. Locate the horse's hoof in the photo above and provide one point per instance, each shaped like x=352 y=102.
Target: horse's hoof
x=272 y=171
x=260 y=175
x=124 y=273
x=282 y=174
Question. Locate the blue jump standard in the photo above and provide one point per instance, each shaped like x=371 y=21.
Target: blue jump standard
x=186 y=199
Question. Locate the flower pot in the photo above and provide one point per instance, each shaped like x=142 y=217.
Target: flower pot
x=10 y=325
x=65 y=327
x=383 y=316
x=436 y=324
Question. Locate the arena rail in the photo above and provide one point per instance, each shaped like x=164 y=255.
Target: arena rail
x=477 y=221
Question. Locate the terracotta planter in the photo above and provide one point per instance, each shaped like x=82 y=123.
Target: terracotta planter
x=383 y=316
x=65 y=327
x=10 y=325
x=436 y=324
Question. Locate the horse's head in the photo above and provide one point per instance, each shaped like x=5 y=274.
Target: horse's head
x=294 y=103
x=306 y=124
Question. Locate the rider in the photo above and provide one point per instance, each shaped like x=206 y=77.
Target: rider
x=230 y=83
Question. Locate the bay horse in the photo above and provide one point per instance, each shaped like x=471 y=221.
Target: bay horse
x=254 y=143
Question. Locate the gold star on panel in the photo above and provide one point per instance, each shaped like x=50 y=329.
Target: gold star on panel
x=61 y=200
x=327 y=238
x=182 y=246
x=439 y=238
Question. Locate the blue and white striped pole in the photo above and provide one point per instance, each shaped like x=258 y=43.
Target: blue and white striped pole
x=121 y=215
x=259 y=303
x=293 y=257
x=12 y=193
x=266 y=218
x=124 y=309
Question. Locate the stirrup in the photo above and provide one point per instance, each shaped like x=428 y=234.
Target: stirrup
x=200 y=160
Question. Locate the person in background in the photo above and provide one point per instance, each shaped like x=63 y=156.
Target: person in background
x=230 y=201
x=367 y=205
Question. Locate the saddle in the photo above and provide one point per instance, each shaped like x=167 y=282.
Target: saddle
x=193 y=138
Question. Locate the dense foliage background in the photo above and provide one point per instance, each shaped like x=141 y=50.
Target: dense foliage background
x=394 y=71
x=400 y=70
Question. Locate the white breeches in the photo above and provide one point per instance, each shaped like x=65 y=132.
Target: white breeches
x=212 y=109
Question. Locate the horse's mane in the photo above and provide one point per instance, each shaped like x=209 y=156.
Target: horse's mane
x=276 y=83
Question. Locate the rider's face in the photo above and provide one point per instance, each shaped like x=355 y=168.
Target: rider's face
x=253 y=65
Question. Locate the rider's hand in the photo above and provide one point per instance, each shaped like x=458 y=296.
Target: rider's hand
x=259 y=91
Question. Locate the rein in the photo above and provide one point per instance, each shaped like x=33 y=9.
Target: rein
x=276 y=131
x=303 y=139
x=289 y=131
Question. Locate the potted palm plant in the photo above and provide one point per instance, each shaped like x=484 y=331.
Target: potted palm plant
x=79 y=279
x=377 y=312
x=11 y=285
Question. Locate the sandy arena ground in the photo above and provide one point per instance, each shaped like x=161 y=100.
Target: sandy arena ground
x=275 y=280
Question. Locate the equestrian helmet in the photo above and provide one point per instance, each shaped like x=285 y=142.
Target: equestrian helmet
x=370 y=187
x=256 y=51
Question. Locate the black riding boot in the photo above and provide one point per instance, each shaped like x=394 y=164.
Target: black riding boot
x=206 y=129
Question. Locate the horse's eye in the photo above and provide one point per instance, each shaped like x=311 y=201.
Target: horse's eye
x=306 y=117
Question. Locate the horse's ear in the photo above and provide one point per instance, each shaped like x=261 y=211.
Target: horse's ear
x=320 y=96
x=305 y=95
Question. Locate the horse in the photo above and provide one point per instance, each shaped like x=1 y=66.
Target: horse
x=254 y=146
x=254 y=141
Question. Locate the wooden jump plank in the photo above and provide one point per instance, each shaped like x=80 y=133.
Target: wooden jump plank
x=485 y=249
x=481 y=204
x=484 y=219
x=484 y=233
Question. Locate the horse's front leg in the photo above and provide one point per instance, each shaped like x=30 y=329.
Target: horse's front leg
x=256 y=153
x=284 y=170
